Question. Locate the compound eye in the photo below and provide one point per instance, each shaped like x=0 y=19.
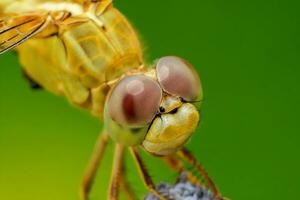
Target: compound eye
x=134 y=101
x=177 y=77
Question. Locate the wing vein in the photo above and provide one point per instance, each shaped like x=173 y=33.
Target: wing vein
x=18 y=25
x=34 y=32
x=11 y=38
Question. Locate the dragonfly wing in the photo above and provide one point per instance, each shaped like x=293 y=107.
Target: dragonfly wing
x=17 y=29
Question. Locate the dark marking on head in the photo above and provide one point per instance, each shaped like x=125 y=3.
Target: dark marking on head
x=174 y=111
x=162 y=109
x=157 y=115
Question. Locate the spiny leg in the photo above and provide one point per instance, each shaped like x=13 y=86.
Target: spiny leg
x=93 y=165
x=116 y=172
x=187 y=156
x=144 y=174
x=126 y=186
x=177 y=165
x=172 y=162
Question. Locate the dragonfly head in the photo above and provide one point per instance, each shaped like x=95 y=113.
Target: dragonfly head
x=160 y=111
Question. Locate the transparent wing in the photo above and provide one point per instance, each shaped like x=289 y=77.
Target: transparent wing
x=17 y=29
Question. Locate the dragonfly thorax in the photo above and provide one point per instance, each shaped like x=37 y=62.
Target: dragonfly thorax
x=82 y=57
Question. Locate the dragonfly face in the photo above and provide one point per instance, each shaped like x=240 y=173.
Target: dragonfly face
x=157 y=110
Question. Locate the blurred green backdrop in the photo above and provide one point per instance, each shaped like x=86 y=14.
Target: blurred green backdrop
x=247 y=53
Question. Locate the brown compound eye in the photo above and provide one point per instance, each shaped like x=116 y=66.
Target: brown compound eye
x=177 y=77
x=134 y=101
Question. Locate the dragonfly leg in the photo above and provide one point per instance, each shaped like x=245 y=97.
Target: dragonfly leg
x=188 y=157
x=116 y=173
x=93 y=165
x=178 y=166
x=144 y=174
x=126 y=187
x=174 y=163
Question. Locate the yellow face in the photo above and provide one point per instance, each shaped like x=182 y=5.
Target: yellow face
x=171 y=129
x=156 y=111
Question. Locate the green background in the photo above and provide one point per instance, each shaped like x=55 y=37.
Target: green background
x=247 y=53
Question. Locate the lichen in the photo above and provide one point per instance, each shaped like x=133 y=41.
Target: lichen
x=182 y=190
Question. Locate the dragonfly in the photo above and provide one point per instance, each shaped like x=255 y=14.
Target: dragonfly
x=88 y=52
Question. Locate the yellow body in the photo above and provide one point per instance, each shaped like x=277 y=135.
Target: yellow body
x=78 y=60
x=80 y=49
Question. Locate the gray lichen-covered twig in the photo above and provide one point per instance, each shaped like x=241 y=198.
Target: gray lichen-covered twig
x=182 y=190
